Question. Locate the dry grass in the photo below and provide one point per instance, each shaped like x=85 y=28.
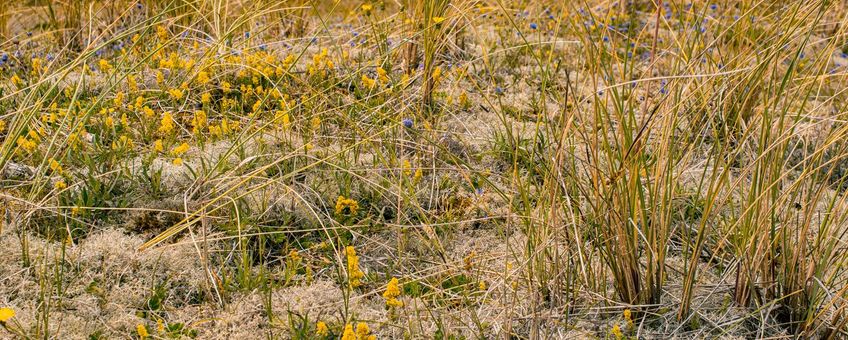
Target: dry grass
x=238 y=168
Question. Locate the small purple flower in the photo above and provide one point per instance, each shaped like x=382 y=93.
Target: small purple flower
x=499 y=91
x=139 y=5
x=407 y=122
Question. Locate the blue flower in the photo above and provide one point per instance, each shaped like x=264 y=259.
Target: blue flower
x=498 y=90
x=407 y=122
x=533 y=26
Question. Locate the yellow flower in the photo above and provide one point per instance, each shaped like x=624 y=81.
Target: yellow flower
x=321 y=329
x=407 y=167
x=55 y=166
x=203 y=77
x=469 y=260
x=104 y=65
x=132 y=83
x=26 y=144
x=346 y=206
x=6 y=314
x=368 y=82
x=178 y=161
x=294 y=255
x=616 y=332
x=206 y=98
x=437 y=74
x=391 y=294
x=148 y=113
x=348 y=333
x=166 y=125
x=382 y=75
x=367 y=8
x=463 y=99
x=119 y=98
x=353 y=271
x=362 y=332
x=438 y=20
x=17 y=80
x=418 y=174
x=142 y=331
x=157 y=146
x=60 y=185
x=162 y=32
x=36 y=65
x=316 y=123
x=179 y=150
x=199 y=121
x=282 y=118
x=176 y=94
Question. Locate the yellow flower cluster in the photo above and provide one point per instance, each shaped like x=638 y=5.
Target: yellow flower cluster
x=30 y=142
x=177 y=152
x=321 y=64
x=321 y=329
x=368 y=83
x=362 y=332
x=616 y=332
x=142 y=331
x=199 y=121
x=346 y=206
x=176 y=94
x=225 y=128
x=354 y=274
x=392 y=293
x=166 y=125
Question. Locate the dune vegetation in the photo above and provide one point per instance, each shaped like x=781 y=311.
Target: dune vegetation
x=423 y=169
